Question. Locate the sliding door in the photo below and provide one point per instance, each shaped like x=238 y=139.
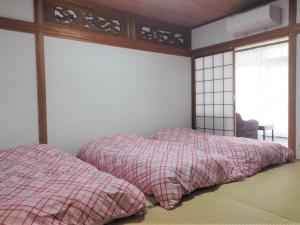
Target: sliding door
x=214 y=94
x=262 y=88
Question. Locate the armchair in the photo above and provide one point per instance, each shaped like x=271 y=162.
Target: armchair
x=246 y=128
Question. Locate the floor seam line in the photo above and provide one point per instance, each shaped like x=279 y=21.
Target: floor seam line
x=257 y=207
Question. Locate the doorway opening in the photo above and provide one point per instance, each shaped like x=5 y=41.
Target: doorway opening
x=261 y=88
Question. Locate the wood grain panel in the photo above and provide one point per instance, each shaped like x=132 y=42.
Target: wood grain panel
x=146 y=10
x=190 y=9
x=227 y=6
x=189 y=13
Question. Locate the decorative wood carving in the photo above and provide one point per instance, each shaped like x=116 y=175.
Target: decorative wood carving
x=114 y=22
x=102 y=23
x=59 y=12
x=65 y=16
x=162 y=35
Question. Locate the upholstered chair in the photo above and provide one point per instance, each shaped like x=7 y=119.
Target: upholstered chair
x=246 y=128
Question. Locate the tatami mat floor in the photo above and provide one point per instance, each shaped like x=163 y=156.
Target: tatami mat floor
x=270 y=197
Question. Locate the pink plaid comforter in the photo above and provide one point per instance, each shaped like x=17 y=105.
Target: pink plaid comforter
x=42 y=185
x=249 y=155
x=164 y=169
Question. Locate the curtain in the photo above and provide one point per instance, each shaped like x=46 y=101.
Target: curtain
x=262 y=86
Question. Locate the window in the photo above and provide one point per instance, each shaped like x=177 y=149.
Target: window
x=262 y=85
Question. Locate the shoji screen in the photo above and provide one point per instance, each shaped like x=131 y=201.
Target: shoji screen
x=214 y=87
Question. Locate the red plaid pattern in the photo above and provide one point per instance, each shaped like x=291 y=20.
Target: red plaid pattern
x=40 y=184
x=164 y=169
x=249 y=155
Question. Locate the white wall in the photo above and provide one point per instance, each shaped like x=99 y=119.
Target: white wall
x=216 y=33
x=93 y=90
x=18 y=88
x=17 y=9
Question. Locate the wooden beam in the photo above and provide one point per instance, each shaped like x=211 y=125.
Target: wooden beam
x=38 y=11
x=292 y=91
x=41 y=79
x=41 y=88
x=88 y=36
x=292 y=12
x=193 y=94
x=17 y=25
x=99 y=38
x=292 y=75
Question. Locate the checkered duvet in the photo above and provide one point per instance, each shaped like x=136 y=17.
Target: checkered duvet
x=249 y=155
x=164 y=169
x=42 y=185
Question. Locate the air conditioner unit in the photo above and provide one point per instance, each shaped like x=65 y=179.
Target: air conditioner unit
x=254 y=20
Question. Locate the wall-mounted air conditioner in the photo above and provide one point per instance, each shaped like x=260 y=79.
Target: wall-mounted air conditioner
x=254 y=20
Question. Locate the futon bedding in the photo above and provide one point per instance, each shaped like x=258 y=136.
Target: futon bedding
x=42 y=185
x=249 y=155
x=164 y=169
